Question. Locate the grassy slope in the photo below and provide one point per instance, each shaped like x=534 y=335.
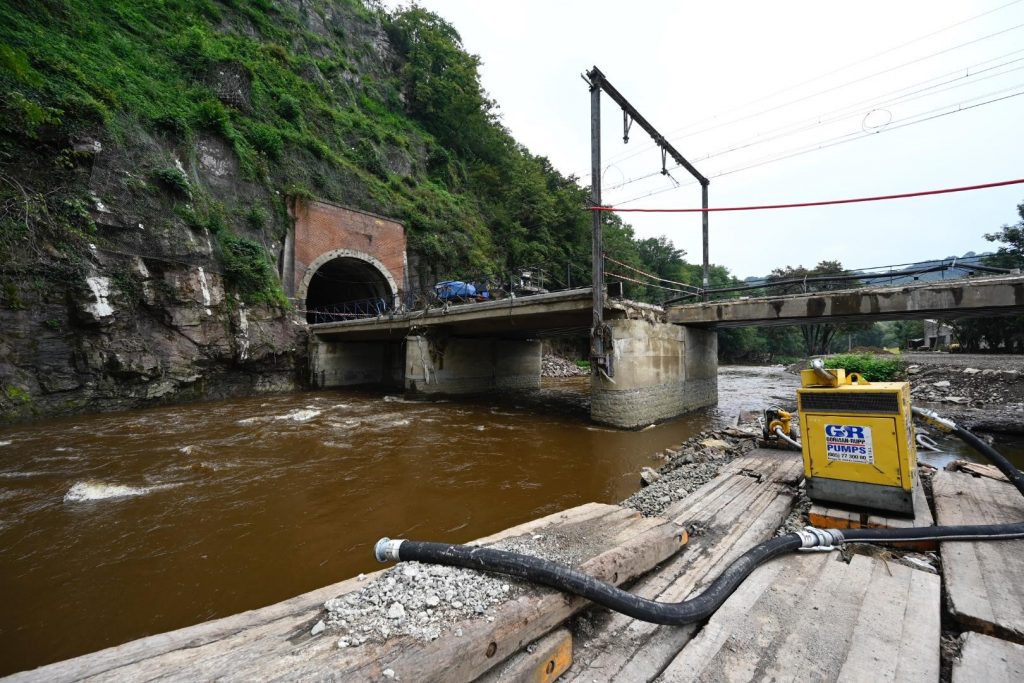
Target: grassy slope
x=321 y=113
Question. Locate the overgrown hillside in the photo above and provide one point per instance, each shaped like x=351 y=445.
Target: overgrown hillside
x=148 y=149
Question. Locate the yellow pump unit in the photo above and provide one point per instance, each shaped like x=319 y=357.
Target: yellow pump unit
x=858 y=440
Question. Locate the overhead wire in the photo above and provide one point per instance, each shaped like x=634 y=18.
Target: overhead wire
x=829 y=202
x=648 y=284
x=857 y=109
x=672 y=136
x=650 y=275
x=842 y=139
x=851 y=64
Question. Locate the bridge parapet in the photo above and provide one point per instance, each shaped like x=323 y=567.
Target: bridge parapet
x=963 y=298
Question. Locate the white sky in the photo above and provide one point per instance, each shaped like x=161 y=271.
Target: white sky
x=692 y=69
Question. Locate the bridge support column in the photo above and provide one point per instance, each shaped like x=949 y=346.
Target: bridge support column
x=342 y=364
x=661 y=371
x=454 y=365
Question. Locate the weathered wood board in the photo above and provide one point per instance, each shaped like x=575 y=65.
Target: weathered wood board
x=275 y=642
x=840 y=518
x=541 y=662
x=741 y=507
x=988 y=660
x=977 y=469
x=811 y=616
x=984 y=589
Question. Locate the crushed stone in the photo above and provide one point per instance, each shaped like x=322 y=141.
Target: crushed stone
x=689 y=466
x=427 y=600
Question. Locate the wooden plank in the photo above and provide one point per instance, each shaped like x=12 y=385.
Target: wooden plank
x=542 y=662
x=827 y=517
x=983 y=658
x=483 y=643
x=811 y=616
x=977 y=469
x=741 y=507
x=983 y=579
x=281 y=616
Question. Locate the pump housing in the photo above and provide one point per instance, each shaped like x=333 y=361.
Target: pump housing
x=858 y=441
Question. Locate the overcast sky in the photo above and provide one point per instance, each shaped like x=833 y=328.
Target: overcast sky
x=774 y=79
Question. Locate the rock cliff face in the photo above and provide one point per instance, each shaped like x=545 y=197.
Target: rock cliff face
x=140 y=263
x=134 y=329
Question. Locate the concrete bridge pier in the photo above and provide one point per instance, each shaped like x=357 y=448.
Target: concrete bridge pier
x=661 y=371
x=345 y=363
x=455 y=365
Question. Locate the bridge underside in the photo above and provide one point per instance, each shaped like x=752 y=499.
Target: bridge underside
x=966 y=298
x=542 y=315
x=661 y=370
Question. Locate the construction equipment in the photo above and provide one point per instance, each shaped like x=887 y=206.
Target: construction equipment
x=858 y=441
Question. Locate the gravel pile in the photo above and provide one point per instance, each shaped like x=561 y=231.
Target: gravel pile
x=556 y=366
x=420 y=600
x=692 y=464
x=426 y=600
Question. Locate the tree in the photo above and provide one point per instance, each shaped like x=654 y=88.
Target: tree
x=1005 y=333
x=1011 y=254
x=817 y=337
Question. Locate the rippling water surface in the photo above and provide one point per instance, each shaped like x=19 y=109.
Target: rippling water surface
x=113 y=527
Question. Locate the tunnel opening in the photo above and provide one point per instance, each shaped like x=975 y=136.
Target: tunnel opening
x=345 y=288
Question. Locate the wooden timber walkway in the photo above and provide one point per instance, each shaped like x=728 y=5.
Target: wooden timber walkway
x=806 y=616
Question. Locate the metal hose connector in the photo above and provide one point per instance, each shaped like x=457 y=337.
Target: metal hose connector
x=943 y=424
x=782 y=435
x=386 y=549
x=818 y=365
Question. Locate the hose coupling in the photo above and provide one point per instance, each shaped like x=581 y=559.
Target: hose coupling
x=943 y=424
x=387 y=549
x=819 y=540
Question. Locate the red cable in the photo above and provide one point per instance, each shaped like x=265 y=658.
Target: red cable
x=825 y=203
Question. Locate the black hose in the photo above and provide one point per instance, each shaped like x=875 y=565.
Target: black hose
x=568 y=580
x=701 y=607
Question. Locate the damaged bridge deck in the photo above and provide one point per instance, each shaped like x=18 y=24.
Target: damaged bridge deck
x=805 y=616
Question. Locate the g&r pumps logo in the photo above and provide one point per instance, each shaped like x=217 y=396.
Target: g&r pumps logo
x=844 y=431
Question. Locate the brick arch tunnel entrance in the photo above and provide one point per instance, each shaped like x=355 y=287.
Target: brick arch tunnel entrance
x=343 y=284
x=337 y=261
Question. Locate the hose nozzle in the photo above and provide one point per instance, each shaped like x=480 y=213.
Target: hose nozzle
x=386 y=549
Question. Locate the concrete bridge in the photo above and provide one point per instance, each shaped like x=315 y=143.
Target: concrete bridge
x=963 y=298
x=664 y=362
x=661 y=370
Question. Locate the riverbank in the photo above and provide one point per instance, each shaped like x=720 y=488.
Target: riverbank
x=983 y=392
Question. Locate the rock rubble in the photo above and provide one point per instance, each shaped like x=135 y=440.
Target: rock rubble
x=689 y=466
x=556 y=366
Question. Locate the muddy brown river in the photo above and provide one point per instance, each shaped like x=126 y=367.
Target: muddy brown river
x=113 y=527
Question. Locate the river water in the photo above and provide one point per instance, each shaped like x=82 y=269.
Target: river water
x=113 y=527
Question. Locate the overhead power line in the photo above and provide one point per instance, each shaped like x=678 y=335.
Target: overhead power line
x=967 y=76
x=830 y=202
x=672 y=135
x=843 y=139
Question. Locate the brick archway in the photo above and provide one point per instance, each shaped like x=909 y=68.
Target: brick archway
x=346 y=244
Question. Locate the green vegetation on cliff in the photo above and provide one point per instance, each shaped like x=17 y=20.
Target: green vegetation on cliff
x=330 y=99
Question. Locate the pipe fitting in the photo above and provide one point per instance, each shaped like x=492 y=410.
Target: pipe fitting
x=386 y=549
x=943 y=424
x=824 y=540
x=785 y=437
x=818 y=365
